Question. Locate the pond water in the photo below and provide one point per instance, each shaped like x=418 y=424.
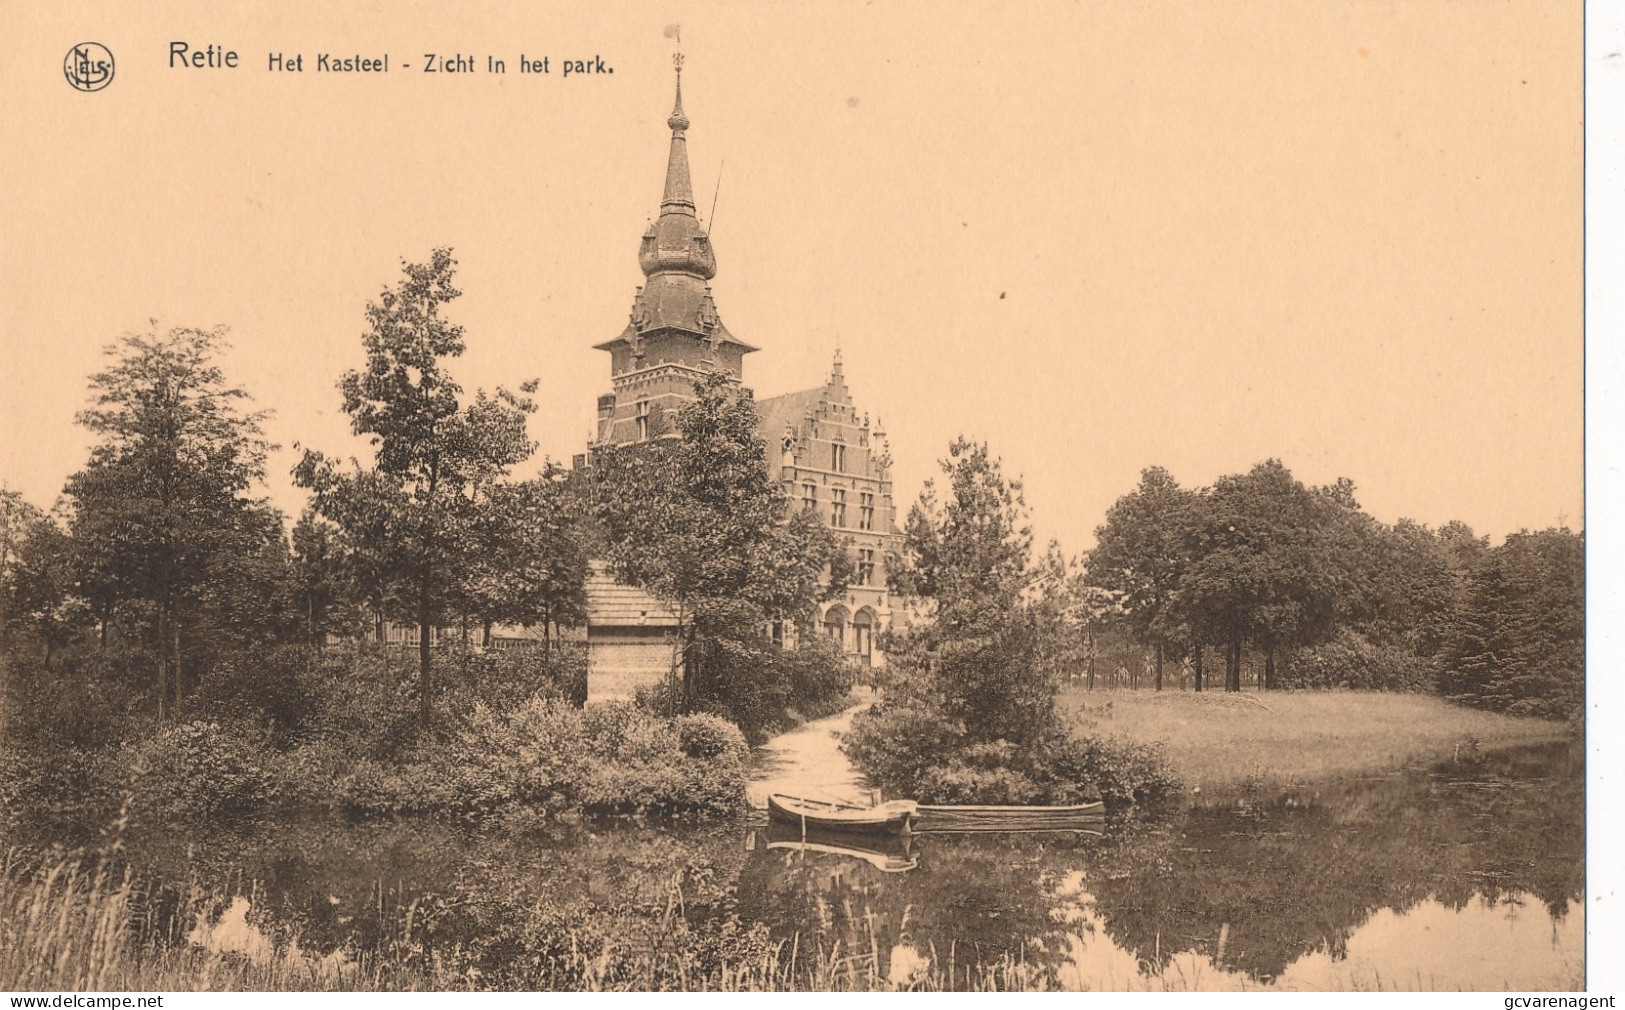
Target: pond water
x=1465 y=876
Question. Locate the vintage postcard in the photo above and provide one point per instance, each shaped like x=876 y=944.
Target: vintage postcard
x=845 y=496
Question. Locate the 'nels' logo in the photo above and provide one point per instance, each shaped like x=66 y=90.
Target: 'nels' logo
x=89 y=66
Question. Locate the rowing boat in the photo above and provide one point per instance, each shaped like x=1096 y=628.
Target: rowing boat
x=895 y=817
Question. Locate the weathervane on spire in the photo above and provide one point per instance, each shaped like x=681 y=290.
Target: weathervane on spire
x=678 y=121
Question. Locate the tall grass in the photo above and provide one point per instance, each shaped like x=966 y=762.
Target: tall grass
x=77 y=923
x=81 y=924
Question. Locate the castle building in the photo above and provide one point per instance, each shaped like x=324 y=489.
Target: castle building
x=829 y=456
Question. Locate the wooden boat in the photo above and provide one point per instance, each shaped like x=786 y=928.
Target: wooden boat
x=1087 y=817
x=894 y=818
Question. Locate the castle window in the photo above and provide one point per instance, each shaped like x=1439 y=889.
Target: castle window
x=866 y=510
x=643 y=419
x=839 y=450
x=837 y=507
x=809 y=496
x=866 y=566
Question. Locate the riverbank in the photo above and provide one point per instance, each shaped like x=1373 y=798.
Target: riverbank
x=1249 y=742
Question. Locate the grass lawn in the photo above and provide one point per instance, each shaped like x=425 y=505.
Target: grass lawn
x=1222 y=742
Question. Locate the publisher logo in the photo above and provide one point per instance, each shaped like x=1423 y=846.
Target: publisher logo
x=89 y=66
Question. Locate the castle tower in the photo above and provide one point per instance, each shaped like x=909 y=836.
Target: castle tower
x=674 y=336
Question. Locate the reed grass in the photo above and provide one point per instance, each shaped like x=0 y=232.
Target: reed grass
x=77 y=924
x=80 y=924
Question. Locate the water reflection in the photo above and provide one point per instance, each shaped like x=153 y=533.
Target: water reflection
x=1469 y=876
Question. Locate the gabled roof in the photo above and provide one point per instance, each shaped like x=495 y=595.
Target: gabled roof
x=789 y=409
x=611 y=604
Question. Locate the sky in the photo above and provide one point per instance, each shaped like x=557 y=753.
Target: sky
x=1100 y=236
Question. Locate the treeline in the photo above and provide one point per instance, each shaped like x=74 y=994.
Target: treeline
x=1316 y=593
x=164 y=552
x=164 y=615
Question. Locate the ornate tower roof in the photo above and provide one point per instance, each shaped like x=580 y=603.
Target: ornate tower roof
x=676 y=243
x=676 y=257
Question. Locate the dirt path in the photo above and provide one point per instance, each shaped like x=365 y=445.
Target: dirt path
x=807 y=761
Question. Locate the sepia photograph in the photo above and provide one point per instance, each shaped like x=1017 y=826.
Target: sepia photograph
x=651 y=497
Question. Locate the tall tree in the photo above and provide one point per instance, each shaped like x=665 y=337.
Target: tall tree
x=1518 y=645
x=411 y=513
x=1267 y=569
x=987 y=654
x=970 y=547
x=1140 y=555
x=164 y=500
x=697 y=520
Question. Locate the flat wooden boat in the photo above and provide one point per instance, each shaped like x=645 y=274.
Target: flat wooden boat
x=1088 y=817
x=894 y=818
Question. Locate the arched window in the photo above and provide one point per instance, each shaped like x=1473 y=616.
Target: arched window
x=835 y=624
x=863 y=634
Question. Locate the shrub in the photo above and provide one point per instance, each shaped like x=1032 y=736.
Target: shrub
x=910 y=750
x=199 y=769
x=617 y=758
x=1352 y=661
x=393 y=790
x=59 y=785
x=1115 y=769
x=817 y=676
x=897 y=743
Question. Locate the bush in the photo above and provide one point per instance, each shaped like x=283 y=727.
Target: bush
x=910 y=750
x=199 y=769
x=897 y=743
x=1115 y=769
x=546 y=755
x=1351 y=661
x=818 y=677
x=59 y=785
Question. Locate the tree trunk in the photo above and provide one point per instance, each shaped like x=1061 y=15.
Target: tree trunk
x=485 y=635
x=425 y=656
x=163 y=668
x=1159 y=666
x=1232 y=666
x=1269 y=667
x=1198 y=666
x=175 y=631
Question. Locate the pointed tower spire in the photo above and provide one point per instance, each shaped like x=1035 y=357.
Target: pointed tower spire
x=679 y=195
x=676 y=243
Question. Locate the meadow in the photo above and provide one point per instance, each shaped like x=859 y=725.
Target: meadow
x=1217 y=741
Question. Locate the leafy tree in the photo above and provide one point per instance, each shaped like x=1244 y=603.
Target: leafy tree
x=531 y=563
x=1140 y=555
x=162 y=508
x=1266 y=568
x=696 y=520
x=320 y=577
x=37 y=591
x=409 y=518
